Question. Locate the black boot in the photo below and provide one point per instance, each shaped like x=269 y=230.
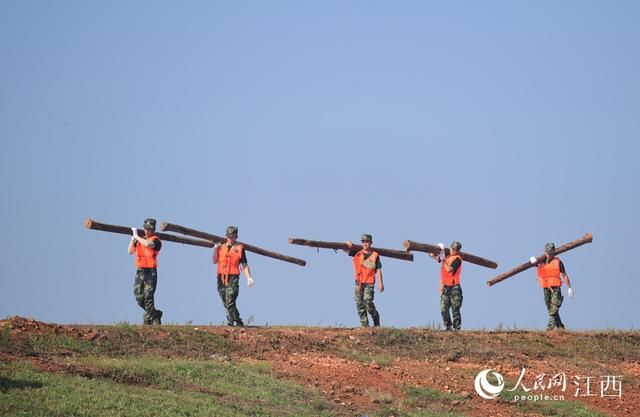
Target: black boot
x=157 y=318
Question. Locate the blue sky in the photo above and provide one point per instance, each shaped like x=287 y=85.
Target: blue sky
x=503 y=125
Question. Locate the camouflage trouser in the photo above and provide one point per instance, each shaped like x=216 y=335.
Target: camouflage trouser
x=451 y=297
x=229 y=295
x=144 y=288
x=553 y=300
x=364 y=304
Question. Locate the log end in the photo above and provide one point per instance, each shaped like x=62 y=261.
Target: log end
x=589 y=237
x=88 y=223
x=292 y=239
x=407 y=245
x=489 y=284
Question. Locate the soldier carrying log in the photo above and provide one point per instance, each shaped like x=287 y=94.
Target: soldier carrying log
x=366 y=263
x=549 y=272
x=146 y=249
x=229 y=256
x=450 y=271
x=450 y=289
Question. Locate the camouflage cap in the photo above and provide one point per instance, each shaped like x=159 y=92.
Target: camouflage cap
x=149 y=224
x=232 y=231
x=456 y=245
x=366 y=238
x=549 y=247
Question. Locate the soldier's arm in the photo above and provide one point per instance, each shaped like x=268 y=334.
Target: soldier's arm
x=350 y=246
x=563 y=274
x=216 y=254
x=132 y=246
x=247 y=273
x=147 y=242
x=454 y=266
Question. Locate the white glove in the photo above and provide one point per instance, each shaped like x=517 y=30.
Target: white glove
x=441 y=246
x=442 y=254
x=533 y=260
x=250 y=282
x=217 y=245
x=570 y=292
x=134 y=230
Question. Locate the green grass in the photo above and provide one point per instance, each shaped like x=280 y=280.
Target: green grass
x=396 y=412
x=125 y=326
x=424 y=397
x=134 y=370
x=379 y=358
x=4 y=335
x=121 y=340
x=419 y=402
x=44 y=343
x=561 y=408
x=156 y=388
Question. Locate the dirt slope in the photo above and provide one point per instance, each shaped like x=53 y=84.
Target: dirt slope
x=367 y=369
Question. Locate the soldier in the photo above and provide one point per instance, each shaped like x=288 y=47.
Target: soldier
x=229 y=256
x=146 y=250
x=549 y=274
x=450 y=289
x=366 y=263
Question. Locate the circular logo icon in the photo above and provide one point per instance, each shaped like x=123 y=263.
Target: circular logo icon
x=486 y=389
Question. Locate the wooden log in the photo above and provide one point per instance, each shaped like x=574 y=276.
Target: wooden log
x=410 y=245
x=124 y=230
x=219 y=239
x=588 y=238
x=389 y=253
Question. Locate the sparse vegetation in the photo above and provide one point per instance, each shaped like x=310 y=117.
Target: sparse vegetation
x=563 y=408
x=155 y=387
x=133 y=370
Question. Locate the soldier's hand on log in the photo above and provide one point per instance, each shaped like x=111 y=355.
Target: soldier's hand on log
x=349 y=243
x=441 y=246
x=533 y=260
x=217 y=245
x=134 y=230
x=570 y=291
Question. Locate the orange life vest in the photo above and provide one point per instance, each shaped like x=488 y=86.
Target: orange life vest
x=229 y=261
x=447 y=278
x=365 y=270
x=549 y=274
x=147 y=257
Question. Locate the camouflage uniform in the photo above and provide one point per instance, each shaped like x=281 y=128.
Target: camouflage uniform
x=364 y=293
x=549 y=274
x=451 y=297
x=364 y=304
x=553 y=300
x=144 y=288
x=146 y=279
x=229 y=295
